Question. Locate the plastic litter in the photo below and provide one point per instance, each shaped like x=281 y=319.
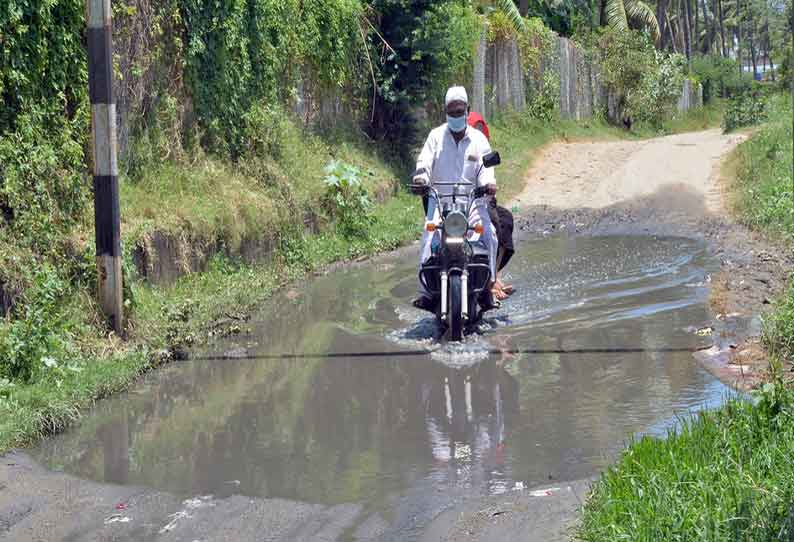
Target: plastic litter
x=117 y=518
x=174 y=520
x=544 y=492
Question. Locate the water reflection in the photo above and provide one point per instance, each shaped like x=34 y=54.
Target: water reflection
x=405 y=433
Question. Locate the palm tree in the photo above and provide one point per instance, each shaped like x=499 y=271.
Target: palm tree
x=623 y=14
x=509 y=8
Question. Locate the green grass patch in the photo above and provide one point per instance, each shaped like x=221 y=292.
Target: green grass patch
x=700 y=118
x=725 y=475
x=762 y=173
x=779 y=328
x=764 y=180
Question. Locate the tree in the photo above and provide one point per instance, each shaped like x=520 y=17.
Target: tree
x=623 y=14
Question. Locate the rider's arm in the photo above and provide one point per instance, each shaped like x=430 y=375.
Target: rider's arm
x=424 y=164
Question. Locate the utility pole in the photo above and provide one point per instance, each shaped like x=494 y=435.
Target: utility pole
x=107 y=214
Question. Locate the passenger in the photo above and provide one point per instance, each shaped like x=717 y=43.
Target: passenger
x=502 y=219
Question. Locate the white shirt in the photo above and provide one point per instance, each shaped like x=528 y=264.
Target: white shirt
x=447 y=161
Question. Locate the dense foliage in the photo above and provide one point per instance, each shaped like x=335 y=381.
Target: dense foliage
x=42 y=60
x=423 y=46
x=645 y=82
x=745 y=109
x=719 y=76
x=245 y=51
x=43 y=118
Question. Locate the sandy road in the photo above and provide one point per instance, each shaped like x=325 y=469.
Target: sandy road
x=598 y=175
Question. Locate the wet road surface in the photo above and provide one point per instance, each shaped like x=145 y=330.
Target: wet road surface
x=342 y=396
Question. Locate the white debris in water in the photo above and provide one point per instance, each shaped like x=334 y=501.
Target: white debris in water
x=171 y=525
x=544 y=492
x=117 y=518
x=189 y=505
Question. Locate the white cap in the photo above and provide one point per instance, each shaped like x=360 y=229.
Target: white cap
x=457 y=94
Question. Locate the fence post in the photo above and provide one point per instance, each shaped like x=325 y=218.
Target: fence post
x=107 y=219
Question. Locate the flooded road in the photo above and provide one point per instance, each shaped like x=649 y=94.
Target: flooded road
x=341 y=394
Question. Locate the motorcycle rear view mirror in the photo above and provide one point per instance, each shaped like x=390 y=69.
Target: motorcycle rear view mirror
x=491 y=159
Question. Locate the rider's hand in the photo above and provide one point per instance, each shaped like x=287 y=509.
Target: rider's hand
x=420 y=183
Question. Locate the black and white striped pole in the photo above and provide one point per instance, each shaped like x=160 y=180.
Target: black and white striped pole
x=106 y=182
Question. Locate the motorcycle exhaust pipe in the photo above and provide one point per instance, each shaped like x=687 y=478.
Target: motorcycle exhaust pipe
x=444 y=294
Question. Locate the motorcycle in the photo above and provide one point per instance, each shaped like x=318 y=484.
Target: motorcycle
x=457 y=275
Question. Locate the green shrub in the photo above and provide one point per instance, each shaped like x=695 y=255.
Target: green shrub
x=745 y=109
x=447 y=38
x=720 y=77
x=36 y=339
x=346 y=198
x=655 y=99
x=44 y=185
x=646 y=82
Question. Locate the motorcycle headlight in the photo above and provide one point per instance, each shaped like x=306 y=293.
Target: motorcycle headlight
x=456 y=224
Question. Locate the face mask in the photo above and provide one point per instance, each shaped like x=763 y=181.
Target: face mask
x=457 y=124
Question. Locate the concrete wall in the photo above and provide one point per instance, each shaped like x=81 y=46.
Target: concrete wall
x=691 y=96
x=501 y=83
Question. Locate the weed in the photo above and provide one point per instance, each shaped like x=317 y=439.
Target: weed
x=345 y=197
x=746 y=109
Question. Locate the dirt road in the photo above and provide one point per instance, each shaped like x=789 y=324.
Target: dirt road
x=598 y=175
x=658 y=187
x=666 y=186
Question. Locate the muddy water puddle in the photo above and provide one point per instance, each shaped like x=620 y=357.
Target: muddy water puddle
x=341 y=393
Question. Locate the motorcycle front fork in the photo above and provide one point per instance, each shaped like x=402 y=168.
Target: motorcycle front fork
x=464 y=293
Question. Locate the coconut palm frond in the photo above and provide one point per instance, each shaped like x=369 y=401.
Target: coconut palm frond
x=616 y=15
x=511 y=10
x=642 y=14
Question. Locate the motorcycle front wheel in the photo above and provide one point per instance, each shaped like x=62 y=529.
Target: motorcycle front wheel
x=455 y=316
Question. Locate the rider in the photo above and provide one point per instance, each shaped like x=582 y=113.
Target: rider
x=453 y=151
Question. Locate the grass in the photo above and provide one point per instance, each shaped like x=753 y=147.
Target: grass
x=700 y=118
x=206 y=200
x=764 y=179
x=726 y=475
x=762 y=169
